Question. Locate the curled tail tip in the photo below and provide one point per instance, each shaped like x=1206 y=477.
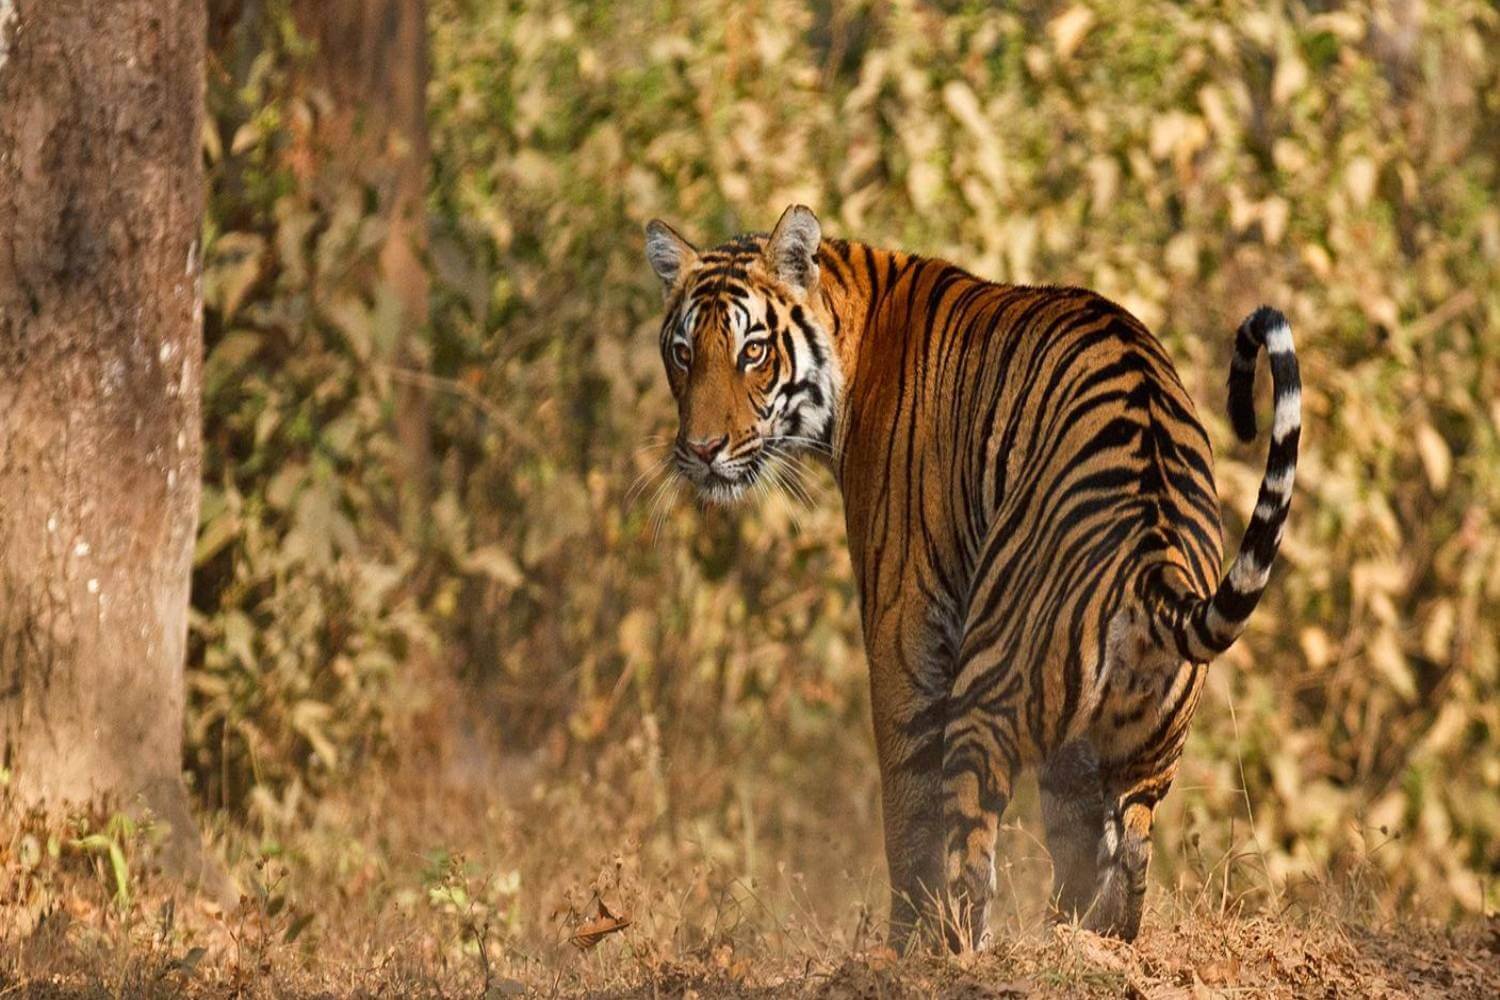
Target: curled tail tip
x=1203 y=627
x=1242 y=410
x=1265 y=327
x=1264 y=318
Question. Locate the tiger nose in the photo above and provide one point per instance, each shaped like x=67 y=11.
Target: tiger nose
x=707 y=449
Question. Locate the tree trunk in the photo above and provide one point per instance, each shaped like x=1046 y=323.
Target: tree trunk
x=101 y=201
x=371 y=65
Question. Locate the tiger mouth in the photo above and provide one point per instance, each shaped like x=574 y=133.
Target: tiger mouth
x=725 y=488
x=721 y=490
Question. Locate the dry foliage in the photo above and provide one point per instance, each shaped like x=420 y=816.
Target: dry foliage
x=1338 y=160
x=337 y=916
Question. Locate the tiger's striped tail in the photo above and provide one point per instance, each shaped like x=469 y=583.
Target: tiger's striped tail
x=1202 y=628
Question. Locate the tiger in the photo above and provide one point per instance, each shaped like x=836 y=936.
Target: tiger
x=1033 y=527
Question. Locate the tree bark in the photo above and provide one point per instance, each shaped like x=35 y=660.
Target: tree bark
x=371 y=66
x=101 y=202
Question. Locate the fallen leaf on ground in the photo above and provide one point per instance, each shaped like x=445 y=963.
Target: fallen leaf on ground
x=588 y=934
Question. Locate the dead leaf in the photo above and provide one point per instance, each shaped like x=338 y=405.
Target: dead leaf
x=1069 y=28
x=1437 y=459
x=588 y=934
x=1219 y=973
x=497 y=564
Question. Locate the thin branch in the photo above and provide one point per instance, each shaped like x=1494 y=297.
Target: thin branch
x=468 y=394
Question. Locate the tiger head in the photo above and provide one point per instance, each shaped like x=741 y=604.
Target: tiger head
x=747 y=351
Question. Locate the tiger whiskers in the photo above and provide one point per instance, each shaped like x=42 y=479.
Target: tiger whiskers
x=661 y=505
x=794 y=473
x=660 y=465
x=763 y=486
x=797 y=476
x=811 y=444
x=776 y=473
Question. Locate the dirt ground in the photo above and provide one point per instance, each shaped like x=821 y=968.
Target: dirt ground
x=408 y=887
x=1197 y=958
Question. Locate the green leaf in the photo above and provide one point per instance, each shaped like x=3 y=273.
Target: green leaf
x=233 y=269
x=297 y=927
x=228 y=356
x=188 y=963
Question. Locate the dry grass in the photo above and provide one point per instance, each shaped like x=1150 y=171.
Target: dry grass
x=470 y=874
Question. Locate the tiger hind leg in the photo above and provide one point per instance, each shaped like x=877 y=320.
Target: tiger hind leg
x=1073 y=819
x=1123 y=857
x=979 y=767
x=913 y=841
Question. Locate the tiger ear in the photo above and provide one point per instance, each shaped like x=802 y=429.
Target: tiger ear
x=792 y=250
x=668 y=253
